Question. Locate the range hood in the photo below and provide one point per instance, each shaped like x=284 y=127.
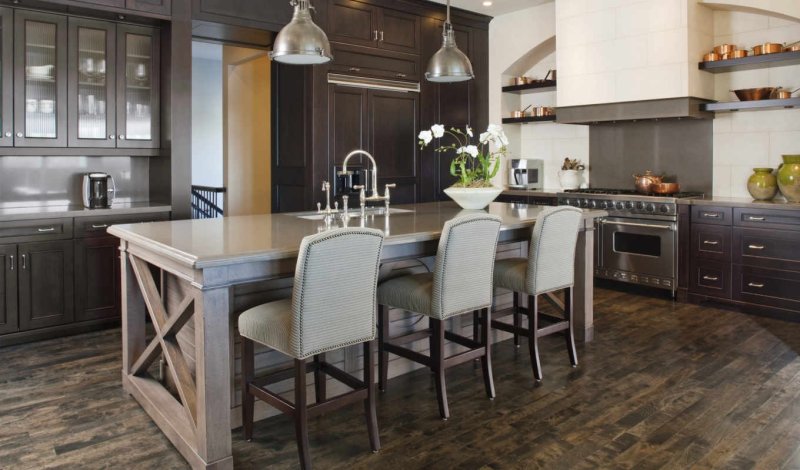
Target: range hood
x=659 y=109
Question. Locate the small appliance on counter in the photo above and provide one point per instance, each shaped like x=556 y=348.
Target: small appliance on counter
x=526 y=173
x=99 y=190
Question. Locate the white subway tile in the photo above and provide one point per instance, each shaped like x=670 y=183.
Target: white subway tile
x=721 y=181
x=783 y=143
x=734 y=22
x=667 y=47
x=626 y=54
x=742 y=148
x=739 y=176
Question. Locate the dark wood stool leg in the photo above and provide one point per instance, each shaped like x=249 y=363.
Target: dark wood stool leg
x=320 y=382
x=437 y=366
x=517 y=322
x=573 y=355
x=533 y=339
x=301 y=413
x=369 y=403
x=476 y=332
x=248 y=400
x=383 y=336
x=486 y=360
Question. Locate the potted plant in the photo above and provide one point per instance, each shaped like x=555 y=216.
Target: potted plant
x=571 y=174
x=474 y=164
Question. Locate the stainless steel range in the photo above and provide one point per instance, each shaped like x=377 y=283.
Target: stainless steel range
x=638 y=241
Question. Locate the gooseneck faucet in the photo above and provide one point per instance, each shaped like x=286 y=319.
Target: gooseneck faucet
x=375 y=196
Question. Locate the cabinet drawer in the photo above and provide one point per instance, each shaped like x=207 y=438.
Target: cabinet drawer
x=768 y=287
x=508 y=198
x=711 y=215
x=710 y=278
x=777 y=249
x=86 y=227
x=767 y=218
x=711 y=242
x=357 y=60
x=35 y=230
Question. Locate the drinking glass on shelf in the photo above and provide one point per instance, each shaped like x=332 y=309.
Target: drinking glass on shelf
x=46 y=106
x=31 y=105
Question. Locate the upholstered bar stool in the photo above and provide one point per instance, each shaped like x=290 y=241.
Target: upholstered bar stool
x=550 y=267
x=460 y=283
x=333 y=305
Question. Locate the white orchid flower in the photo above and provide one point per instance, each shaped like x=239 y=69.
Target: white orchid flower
x=485 y=137
x=426 y=136
x=438 y=130
x=472 y=150
x=469 y=131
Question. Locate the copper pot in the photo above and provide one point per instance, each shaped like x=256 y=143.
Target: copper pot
x=782 y=94
x=738 y=54
x=754 y=94
x=724 y=49
x=793 y=47
x=521 y=81
x=711 y=57
x=643 y=182
x=665 y=188
x=767 y=48
x=519 y=114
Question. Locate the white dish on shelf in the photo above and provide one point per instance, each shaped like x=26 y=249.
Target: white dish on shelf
x=39 y=71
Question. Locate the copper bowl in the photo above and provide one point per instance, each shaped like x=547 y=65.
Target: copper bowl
x=754 y=94
x=724 y=49
x=738 y=54
x=792 y=48
x=665 y=188
x=767 y=48
x=711 y=57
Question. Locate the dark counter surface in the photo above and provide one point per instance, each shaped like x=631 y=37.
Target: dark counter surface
x=8 y=214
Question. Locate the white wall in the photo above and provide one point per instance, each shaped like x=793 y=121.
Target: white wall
x=745 y=140
x=522 y=43
x=207 y=117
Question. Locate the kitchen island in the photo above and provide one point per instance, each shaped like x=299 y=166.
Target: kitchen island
x=194 y=276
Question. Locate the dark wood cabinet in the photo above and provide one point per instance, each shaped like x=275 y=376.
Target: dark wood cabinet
x=104 y=3
x=8 y=289
x=530 y=200
x=359 y=60
x=269 y=15
x=160 y=7
x=7 y=77
x=45 y=284
x=137 y=103
x=97 y=288
x=400 y=31
x=40 y=79
x=363 y=24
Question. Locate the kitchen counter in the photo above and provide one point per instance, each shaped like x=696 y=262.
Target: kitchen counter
x=531 y=192
x=77 y=210
x=777 y=203
x=215 y=268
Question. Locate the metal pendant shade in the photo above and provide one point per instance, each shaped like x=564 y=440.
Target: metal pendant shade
x=449 y=64
x=301 y=42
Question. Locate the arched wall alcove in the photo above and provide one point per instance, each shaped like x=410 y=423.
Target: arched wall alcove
x=786 y=9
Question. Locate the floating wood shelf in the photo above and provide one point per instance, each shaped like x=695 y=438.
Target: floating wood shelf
x=536 y=87
x=751 y=62
x=527 y=119
x=750 y=105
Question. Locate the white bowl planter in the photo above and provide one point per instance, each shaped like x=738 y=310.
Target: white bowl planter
x=473 y=198
x=570 y=179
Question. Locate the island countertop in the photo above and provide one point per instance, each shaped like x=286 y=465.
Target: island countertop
x=215 y=242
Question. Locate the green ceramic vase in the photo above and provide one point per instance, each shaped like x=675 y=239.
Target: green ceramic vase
x=789 y=178
x=762 y=184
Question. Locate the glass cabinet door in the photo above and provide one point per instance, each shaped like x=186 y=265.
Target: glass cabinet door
x=6 y=77
x=40 y=109
x=92 y=84
x=137 y=92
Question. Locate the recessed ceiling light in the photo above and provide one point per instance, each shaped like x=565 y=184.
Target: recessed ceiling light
x=487 y=4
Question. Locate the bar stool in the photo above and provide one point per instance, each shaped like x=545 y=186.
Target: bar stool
x=460 y=283
x=550 y=267
x=332 y=306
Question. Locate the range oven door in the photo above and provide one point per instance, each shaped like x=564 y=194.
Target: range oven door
x=637 y=250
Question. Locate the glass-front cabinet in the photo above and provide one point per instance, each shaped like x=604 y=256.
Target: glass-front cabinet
x=137 y=87
x=40 y=80
x=6 y=77
x=92 y=84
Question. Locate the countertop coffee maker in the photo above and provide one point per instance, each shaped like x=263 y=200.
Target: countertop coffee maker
x=526 y=173
x=99 y=190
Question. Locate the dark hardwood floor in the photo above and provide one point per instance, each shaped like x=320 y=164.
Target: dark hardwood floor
x=664 y=386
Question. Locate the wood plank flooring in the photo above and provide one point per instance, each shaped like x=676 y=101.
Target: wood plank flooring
x=665 y=385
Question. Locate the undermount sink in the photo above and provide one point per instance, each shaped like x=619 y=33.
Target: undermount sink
x=354 y=213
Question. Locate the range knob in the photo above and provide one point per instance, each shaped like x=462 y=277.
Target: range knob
x=585 y=203
x=639 y=205
x=594 y=204
x=628 y=205
x=650 y=207
x=664 y=209
x=619 y=205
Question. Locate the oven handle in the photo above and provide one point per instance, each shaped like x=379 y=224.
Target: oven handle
x=634 y=224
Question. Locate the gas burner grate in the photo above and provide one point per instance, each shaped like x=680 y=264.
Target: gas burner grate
x=631 y=192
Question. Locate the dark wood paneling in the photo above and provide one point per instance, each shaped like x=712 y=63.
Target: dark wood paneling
x=7 y=77
x=393 y=130
x=778 y=249
x=347 y=111
x=45 y=284
x=766 y=218
x=400 y=31
x=21 y=18
x=710 y=278
x=353 y=22
x=123 y=32
x=684 y=247
x=767 y=287
x=712 y=242
x=35 y=230
x=97 y=287
x=271 y=15
x=160 y=7
x=711 y=215
x=106 y=3
x=289 y=198
x=359 y=60
x=8 y=289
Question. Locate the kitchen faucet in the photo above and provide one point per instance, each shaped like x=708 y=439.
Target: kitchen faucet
x=375 y=196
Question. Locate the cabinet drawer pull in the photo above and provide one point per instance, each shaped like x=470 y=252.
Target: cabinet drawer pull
x=755 y=284
x=99 y=225
x=375 y=35
x=354 y=69
x=11 y=260
x=711 y=215
x=24 y=262
x=756 y=219
x=401 y=75
x=45 y=230
x=710 y=278
x=710 y=242
x=381 y=36
x=756 y=247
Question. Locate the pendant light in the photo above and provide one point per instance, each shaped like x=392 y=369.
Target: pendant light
x=301 y=42
x=449 y=64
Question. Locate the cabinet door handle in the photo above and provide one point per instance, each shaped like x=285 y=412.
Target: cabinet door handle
x=401 y=75
x=756 y=219
x=8 y=134
x=112 y=137
x=710 y=242
x=375 y=33
x=757 y=285
x=756 y=247
x=121 y=137
x=711 y=215
x=354 y=69
x=11 y=259
x=45 y=230
x=24 y=261
x=99 y=225
x=20 y=134
x=711 y=278
x=381 y=36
